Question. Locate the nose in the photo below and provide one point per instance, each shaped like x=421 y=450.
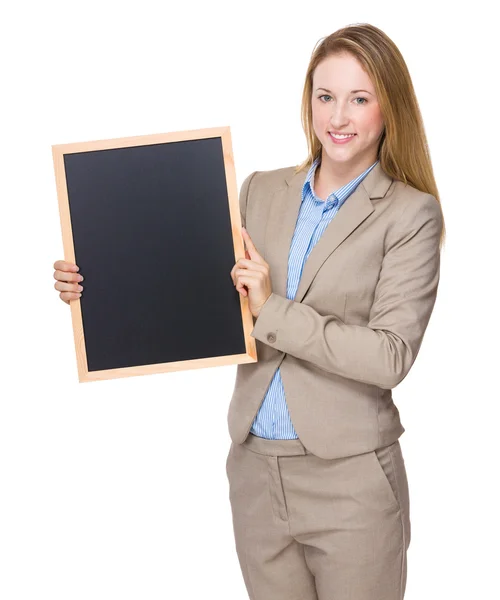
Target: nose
x=339 y=117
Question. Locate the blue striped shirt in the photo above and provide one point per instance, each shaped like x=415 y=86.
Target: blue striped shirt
x=273 y=419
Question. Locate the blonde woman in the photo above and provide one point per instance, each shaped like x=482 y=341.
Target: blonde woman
x=341 y=273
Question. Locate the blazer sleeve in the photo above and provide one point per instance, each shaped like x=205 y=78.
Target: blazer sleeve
x=382 y=352
x=244 y=197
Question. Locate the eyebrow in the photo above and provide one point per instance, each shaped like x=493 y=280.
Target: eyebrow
x=352 y=91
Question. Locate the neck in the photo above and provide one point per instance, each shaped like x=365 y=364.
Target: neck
x=332 y=176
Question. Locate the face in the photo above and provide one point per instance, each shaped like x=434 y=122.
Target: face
x=344 y=101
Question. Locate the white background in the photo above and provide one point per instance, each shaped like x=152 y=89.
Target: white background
x=117 y=489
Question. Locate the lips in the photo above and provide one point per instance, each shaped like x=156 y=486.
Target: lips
x=340 y=141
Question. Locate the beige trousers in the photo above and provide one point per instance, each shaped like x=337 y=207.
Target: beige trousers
x=308 y=528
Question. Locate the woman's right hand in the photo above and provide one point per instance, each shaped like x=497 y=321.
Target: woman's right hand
x=67 y=280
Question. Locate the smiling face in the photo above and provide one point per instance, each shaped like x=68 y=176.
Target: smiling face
x=344 y=101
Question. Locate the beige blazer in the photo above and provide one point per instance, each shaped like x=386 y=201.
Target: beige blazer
x=356 y=324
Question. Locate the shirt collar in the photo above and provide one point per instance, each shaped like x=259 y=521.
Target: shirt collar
x=342 y=193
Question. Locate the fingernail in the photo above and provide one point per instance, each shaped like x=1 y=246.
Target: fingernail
x=79 y=295
x=80 y=288
x=80 y=278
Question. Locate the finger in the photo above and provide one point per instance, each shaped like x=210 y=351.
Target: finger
x=69 y=296
x=67 y=276
x=259 y=272
x=233 y=275
x=63 y=265
x=240 y=263
x=255 y=273
x=242 y=290
x=248 y=265
x=249 y=244
x=251 y=265
x=68 y=287
x=246 y=280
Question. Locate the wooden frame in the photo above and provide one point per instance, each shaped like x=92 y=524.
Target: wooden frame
x=59 y=153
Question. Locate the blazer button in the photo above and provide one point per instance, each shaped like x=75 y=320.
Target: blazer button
x=271 y=337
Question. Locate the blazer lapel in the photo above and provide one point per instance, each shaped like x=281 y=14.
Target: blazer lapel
x=285 y=206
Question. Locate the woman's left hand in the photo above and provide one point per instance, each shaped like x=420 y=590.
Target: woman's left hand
x=251 y=276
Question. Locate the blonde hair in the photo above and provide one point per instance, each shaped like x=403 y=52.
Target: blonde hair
x=403 y=151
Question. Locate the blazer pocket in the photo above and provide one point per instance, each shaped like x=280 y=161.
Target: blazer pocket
x=384 y=465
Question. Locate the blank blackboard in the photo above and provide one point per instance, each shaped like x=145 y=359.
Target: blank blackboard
x=153 y=222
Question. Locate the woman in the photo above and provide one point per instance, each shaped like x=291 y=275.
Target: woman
x=341 y=301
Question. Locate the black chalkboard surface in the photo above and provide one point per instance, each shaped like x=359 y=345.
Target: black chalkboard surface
x=153 y=222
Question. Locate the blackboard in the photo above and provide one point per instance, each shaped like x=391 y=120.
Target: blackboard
x=154 y=224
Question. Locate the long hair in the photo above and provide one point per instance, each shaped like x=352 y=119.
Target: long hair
x=403 y=151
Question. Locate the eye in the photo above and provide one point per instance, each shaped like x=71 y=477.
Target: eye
x=365 y=100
